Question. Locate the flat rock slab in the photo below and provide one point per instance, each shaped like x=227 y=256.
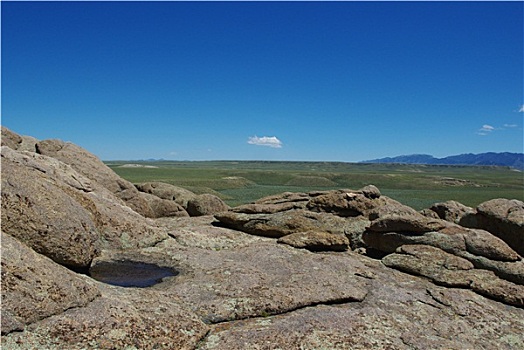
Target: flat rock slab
x=280 y=224
x=316 y=241
x=199 y=232
x=452 y=271
x=400 y=312
x=261 y=279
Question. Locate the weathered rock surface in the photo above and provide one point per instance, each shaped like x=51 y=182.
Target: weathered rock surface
x=455 y=241
x=452 y=211
x=414 y=223
x=167 y=191
x=39 y=212
x=502 y=217
x=59 y=213
x=10 y=139
x=93 y=168
x=163 y=207
x=283 y=223
x=250 y=281
x=121 y=318
x=399 y=312
x=206 y=204
x=28 y=144
x=200 y=232
x=33 y=287
x=317 y=241
x=249 y=294
x=453 y=271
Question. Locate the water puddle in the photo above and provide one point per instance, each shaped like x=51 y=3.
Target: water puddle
x=130 y=273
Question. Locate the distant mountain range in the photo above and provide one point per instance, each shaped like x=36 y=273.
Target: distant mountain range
x=513 y=160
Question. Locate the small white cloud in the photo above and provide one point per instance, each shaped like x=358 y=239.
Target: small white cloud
x=521 y=110
x=485 y=130
x=173 y=153
x=510 y=125
x=271 y=141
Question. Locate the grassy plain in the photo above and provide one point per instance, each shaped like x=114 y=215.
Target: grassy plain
x=418 y=186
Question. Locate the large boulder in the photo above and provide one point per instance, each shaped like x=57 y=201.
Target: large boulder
x=455 y=241
x=167 y=191
x=452 y=211
x=344 y=203
x=280 y=224
x=164 y=207
x=412 y=223
x=93 y=168
x=502 y=217
x=34 y=287
x=206 y=204
x=28 y=144
x=62 y=214
x=10 y=139
x=37 y=209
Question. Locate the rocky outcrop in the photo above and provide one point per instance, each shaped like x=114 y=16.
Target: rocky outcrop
x=442 y=251
x=193 y=204
x=317 y=241
x=456 y=240
x=502 y=217
x=62 y=214
x=284 y=223
x=38 y=210
x=10 y=139
x=93 y=168
x=163 y=207
x=34 y=288
x=452 y=271
x=451 y=211
x=414 y=224
x=206 y=204
x=237 y=279
x=167 y=191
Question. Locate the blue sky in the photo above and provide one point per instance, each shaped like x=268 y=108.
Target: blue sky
x=329 y=81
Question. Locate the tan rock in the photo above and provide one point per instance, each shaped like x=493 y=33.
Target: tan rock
x=449 y=270
x=504 y=218
x=452 y=211
x=416 y=223
x=206 y=204
x=163 y=207
x=34 y=287
x=37 y=210
x=316 y=241
x=93 y=168
x=284 y=223
x=167 y=191
x=10 y=139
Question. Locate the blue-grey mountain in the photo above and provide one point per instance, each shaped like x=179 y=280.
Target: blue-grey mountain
x=514 y=160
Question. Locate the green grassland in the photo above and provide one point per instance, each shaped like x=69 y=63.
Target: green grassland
x=418 y=186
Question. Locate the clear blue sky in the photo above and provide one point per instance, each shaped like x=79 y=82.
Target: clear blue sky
x=331 y=81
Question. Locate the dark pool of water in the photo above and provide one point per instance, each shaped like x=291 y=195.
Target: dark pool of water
x=130 y=273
